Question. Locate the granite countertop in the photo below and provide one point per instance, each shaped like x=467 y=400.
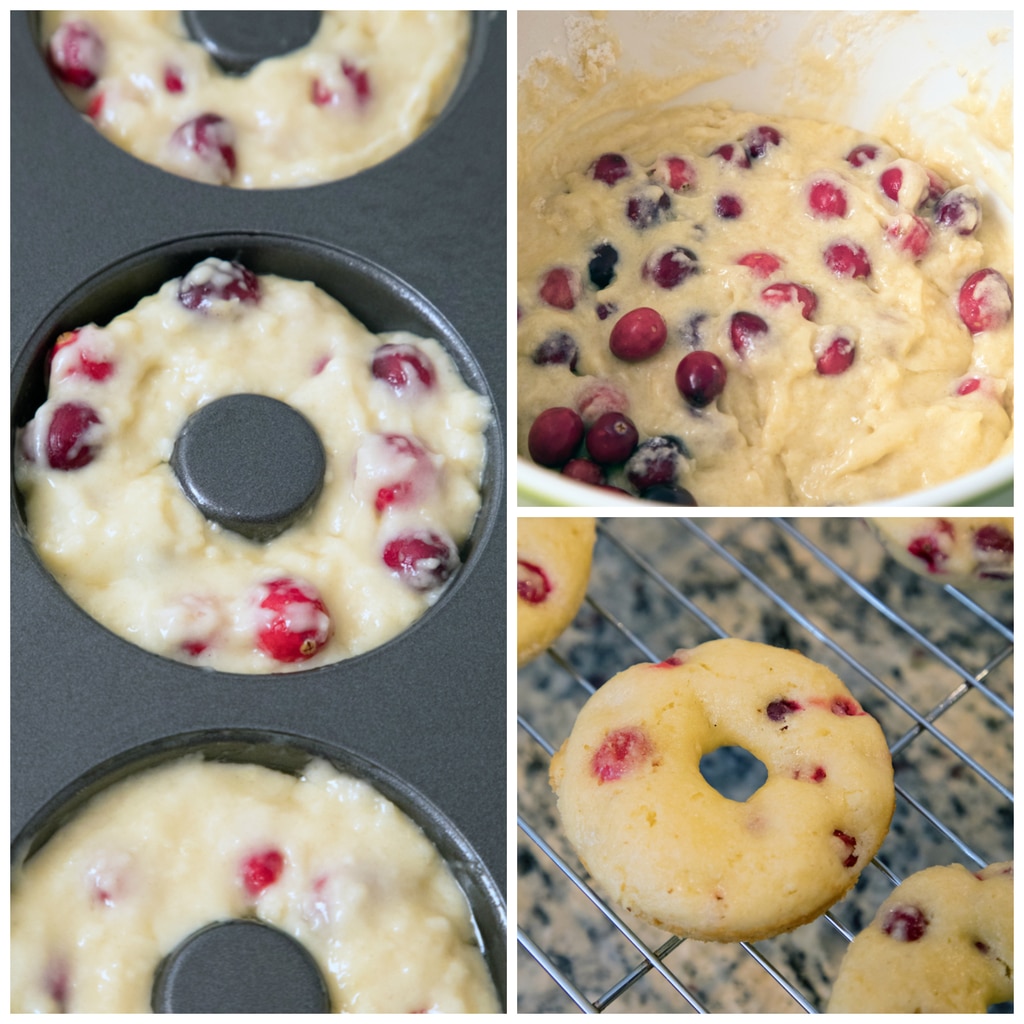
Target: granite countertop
x=632 y=616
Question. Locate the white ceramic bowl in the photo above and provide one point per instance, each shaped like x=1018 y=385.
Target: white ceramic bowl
x=935 y=70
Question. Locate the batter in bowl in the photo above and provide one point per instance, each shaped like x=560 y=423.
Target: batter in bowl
x=323 y=857
x=728 y=309
x=365 y=85
x=404 y=447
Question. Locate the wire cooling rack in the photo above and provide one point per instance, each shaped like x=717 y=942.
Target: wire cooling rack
x=932 y=664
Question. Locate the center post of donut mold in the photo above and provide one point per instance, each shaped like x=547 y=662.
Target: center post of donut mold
x=239 y=40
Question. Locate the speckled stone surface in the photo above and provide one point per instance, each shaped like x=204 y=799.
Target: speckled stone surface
x=658 y=585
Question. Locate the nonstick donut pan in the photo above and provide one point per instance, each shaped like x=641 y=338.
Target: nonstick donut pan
x=416 y=243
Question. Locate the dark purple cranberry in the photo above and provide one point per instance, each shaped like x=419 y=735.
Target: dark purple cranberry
x=728 y=207
x=557 y=349
x=609 y=168
x=66 y=444
x=745 y=329
x=585 y=471
x=732 y=153
x=612 y=438
x=691 y=334
x=605 y=310
x=216 y=280
x=850 y=843
x=638 y=334
x=700 y=378
x=602 y=265
x=555 y=435
x=422 y=559
x=847 y=259
x=759 y=140
x=669 y=494
x=959 y=210
x=779 y=710
x=76 y=54
x=671 y=268
x=991 y=537
x=656 y=461
x=905 y=924
x=643 y=209
x=862 y=154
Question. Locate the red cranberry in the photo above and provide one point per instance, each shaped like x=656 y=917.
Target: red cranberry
x=397 y=470
x=671 y=268
x=212 y=139
x=76 y=54
x=700 y=378
x=784 y=293
x=68 y=442
x=911 y=235
x=762 y=264
x=644 y=209
x=959 y=210
x=862 y=154
x=532 y=584
x=991 y=537
x=779 y=710
x=560 y=288
x=669 y=494
x=837 y=358
x=609 y=168
x=847 y=259
x=70 y=358
x=905 y=924
x=297 y=624
x=404 y=368
x=359 y=80
x=422 y=559
x=262 y=870
x=558 y=349
x=585 y=471
x=733 y=154
x=656 y=461
x=216 y=280
x=928 y=548
x=95 y=107
x=674 y=172
x=968 y=386
x=728 y=207
x=620 y=753
x=985 y=301
x=759 y=140
x=826 y=199
x=850 y=844
x=598 y=397
x=601 y=268
x=891 y=181
x=555 y=436
x=612 y=439
x=745 y=329
x=816 y=774
x=638 y=334
x=173 y=79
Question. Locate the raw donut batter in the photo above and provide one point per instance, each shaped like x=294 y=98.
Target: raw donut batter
x=323 y=857
x=404 y=443
x=366 y=85
x=763 y=311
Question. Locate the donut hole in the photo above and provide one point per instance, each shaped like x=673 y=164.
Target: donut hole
x=733 y=772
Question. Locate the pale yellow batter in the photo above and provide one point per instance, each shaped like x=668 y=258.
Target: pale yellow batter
x=366 y=85
x=860 y=358
x=323 y=857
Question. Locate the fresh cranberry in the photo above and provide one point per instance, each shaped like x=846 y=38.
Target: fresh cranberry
x=174 y=82
x=905 y=924
x=645 y=209
x=728 y=207
x=613 y=438
x=656 y=461
x=605 y=310
x=638 y=334
x=212 y=139
x=779 y=710
x=621 y=753
x=585 y=471
x=847 y=259
x=826 y=199
x=601 y=268
x=262 y=870
x=700 y=378
x=68 y=444
x=850 y=844
x=71 y=358
x=911 y=235
x=76 y=54
x=405 y=368
x=862 y=154
x=985 y=301
x=293 y=623
x=837 y=358
x=674 y=172
x=555 y=436
x=745 y=330
x=559 y=349
x=759 y=140
x=786 y=293
x=968 y=386
x=560 y=288
x=423 y=559
x=598 y=397
x=670 y=268
x=609 y=168
x=762 y=264
x=891 y=181
x=732 y=154
x=395 y=470
x=532 y=583
x=669 y=494
x=959 y=210
x=991 y=537
x=216 y=280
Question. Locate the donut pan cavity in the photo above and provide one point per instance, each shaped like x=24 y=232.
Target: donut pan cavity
x=416 y=243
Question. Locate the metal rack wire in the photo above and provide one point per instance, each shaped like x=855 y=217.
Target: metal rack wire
x=932 y=664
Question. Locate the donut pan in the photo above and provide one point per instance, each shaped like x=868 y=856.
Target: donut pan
x=416 y=243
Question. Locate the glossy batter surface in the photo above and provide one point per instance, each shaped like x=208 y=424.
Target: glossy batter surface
x=366 y=85
x=323 y=857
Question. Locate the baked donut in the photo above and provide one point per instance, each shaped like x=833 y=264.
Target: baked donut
x=974 y=553
x=364 y=86
x=659 y=840
x=322 y=856
x=403 y=449
x=941 y=943
x=552 y=572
